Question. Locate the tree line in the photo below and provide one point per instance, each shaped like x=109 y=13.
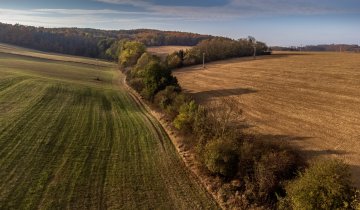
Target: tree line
x=248 y=172
x=217 y=48
x=322 y=48
x=89 y=42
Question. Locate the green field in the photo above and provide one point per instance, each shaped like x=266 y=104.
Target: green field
x=68 y=140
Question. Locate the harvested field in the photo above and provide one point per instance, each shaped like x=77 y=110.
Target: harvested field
x=163 y=51
x=72 y=137
x=309 y=100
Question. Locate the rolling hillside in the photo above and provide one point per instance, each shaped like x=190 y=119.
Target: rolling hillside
x=71 y=137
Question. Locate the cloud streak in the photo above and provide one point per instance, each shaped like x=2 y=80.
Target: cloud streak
x=145 y=12
x=105 y=18
x=238 y=9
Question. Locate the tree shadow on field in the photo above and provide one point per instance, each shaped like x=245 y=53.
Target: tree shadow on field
x=313 y=154
x=280 y=138
x=288 y=140
x=209 y=94
x=355 y=172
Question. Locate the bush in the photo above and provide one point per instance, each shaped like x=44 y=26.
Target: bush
x=324 y=185
x=137 y=84
x=174 y=61
x=265 y=167
x=156 y=78
x=221 y=158
x=167 y=100
x=202 y=127
x=192 y=57
x=271 y=170
x=185 y=119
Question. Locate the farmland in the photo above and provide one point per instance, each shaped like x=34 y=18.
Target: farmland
x=163 y=51
x=308 y=100
x=72 y=137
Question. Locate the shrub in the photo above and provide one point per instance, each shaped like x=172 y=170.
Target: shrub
x=185 y=119
x=324 y=185
x=265 y=167
x=202 y=126
x=166 y=100
x=137 y=84
x=221 y=158
x=156 y=78
x=193 y=56
x=174 y=61
x=271 y=170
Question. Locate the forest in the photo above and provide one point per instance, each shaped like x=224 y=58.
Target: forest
x=89 y=42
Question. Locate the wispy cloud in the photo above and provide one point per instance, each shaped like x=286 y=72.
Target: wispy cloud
x=145 y=12
x=238 y=9
x=138 y=3
x=67 y=17
x=104 y=18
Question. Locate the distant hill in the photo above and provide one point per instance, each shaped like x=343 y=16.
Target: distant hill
x=321 y=48
x=86 y=42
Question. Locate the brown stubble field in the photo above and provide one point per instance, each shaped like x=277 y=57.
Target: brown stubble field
x=307 y=100
x=163 y=51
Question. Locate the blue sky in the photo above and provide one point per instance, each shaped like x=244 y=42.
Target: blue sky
x=277 y=22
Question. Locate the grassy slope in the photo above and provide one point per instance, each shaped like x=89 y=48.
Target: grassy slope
x=311 y=100
x=70 y=141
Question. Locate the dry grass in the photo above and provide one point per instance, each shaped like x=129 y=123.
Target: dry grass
x=163 y=51
x=309 y=100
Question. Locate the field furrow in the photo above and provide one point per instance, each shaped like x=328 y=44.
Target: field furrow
x=70 y=141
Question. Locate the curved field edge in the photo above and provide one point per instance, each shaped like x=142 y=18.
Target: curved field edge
x=68 y=140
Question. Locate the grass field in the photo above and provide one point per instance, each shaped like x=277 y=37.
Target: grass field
x=71 y=141
x=309 y=100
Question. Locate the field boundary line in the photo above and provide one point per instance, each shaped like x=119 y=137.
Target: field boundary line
x=186 y=155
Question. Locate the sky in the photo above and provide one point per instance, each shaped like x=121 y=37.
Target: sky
x=276 y=22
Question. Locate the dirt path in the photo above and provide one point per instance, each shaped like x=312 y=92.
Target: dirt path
x=310 y=100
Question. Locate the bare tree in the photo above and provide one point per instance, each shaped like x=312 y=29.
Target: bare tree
x=225 y=114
